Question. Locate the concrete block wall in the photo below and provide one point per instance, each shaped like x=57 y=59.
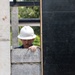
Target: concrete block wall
x=4 y=38
x=25 y=62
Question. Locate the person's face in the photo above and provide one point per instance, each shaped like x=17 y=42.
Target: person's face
x=27 y=43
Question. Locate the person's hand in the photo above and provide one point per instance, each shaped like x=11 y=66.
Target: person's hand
x=33 y=48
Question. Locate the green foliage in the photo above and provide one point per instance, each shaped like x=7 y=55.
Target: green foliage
x=37 y=41
x=29 y=12
x=36 y=30
x=19 y=41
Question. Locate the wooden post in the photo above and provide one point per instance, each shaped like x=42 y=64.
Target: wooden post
x=4 y=38
x=41 y=37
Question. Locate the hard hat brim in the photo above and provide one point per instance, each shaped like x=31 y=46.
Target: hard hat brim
x=26 y=38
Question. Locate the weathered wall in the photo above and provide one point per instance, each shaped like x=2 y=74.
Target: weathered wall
x=4 y=38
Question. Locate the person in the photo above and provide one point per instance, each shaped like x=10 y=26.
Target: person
x=27 y=37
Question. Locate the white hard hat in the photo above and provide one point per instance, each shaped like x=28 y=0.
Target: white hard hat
x=26 y=33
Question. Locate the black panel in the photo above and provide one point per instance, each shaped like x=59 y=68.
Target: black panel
x=59 y=5
x=58 y=38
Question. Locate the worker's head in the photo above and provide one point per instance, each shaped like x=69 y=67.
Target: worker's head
x=27 y=36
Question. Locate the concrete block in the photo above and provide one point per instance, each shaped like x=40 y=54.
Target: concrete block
x=25 y=55
x=26 y=69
